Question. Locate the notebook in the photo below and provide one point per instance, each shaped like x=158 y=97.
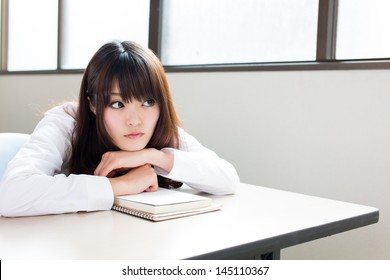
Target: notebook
x=164 y=204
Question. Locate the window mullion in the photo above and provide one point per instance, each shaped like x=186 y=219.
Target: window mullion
x=327 y=29
x=4 y=35
x=155 y=26
x=59 y=34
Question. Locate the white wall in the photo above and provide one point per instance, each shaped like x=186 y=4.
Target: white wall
x=24 y=98
x=324 y=133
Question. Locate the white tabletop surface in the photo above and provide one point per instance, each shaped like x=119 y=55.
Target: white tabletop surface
x=254 y=216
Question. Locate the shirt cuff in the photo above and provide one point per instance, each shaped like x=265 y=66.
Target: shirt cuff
x=100 y=194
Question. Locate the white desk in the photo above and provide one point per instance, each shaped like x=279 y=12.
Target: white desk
x=256 y=222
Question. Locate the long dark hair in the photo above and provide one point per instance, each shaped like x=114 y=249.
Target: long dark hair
x=139 y=76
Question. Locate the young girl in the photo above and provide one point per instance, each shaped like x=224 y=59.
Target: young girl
x=123 y=137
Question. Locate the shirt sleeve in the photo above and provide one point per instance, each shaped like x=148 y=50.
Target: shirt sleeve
x=200 y=168
x=35 y=182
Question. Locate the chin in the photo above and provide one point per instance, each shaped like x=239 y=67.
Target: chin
x=132 y=149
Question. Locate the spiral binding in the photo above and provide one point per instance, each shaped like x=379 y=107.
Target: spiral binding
x=132 y=212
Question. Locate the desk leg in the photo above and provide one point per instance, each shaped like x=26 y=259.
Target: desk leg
x=275 y=255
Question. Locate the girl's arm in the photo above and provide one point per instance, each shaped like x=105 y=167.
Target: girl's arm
x=200 y=168
x=35 y=182
x=121 y=160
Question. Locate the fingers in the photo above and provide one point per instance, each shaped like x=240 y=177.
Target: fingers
x=152 y=188
x=105 y=166
x=119 y=160
x=149 y=179
x=137 y=180
x=111 y=163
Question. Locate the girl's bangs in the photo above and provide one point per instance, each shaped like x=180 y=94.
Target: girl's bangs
x=134 y=81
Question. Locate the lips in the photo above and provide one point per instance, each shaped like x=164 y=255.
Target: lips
x=134 y=135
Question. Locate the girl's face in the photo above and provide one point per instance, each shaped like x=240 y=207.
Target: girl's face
x=130 y=125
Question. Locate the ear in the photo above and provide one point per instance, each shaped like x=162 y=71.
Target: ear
x=91 y=107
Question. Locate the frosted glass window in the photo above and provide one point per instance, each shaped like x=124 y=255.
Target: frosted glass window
x=362 y=29
x=88 y=24
x=238 y=31
x=32 y=36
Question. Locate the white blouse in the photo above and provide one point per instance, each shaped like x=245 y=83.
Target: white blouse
x=36 y=182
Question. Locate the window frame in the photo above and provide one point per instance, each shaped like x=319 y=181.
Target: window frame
x=325 y=56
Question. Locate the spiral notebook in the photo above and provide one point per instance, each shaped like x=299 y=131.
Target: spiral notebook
x=164 y=204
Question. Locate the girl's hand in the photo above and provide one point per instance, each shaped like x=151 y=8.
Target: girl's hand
x=137 y=180
x=113 y=162
x=119 y=161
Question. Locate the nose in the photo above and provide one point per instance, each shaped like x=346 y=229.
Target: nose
x=133 y=117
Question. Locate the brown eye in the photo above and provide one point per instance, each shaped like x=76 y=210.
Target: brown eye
x=149 y=103
x=117 y=105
